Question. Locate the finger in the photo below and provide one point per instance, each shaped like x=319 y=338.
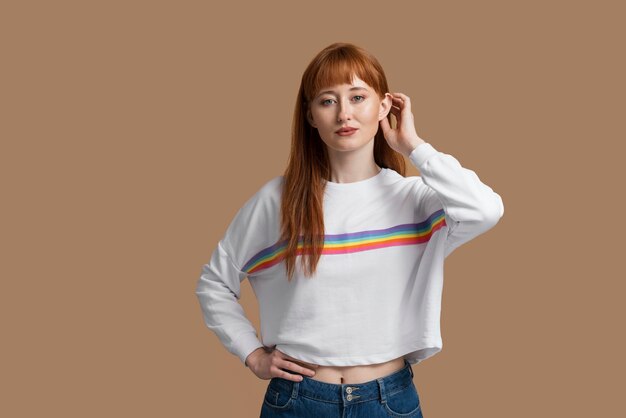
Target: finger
x=297 y=361
x=300 y=366
x=397 y=101
x=396 y=112
x=402 y=96
x=284 y=375
x=405 y=100
x=400 y=104
x=291 y=366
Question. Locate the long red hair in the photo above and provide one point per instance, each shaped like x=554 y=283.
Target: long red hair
x=302 y=217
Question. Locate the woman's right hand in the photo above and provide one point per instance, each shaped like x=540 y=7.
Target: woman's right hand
x=268 y=362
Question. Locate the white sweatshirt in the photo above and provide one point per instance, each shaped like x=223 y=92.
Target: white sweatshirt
x=377 y=291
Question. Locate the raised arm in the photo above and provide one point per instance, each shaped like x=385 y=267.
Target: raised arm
x=471 y=207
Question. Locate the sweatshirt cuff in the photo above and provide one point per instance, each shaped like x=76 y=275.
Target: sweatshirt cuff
x=421 y=153
x=246 y=344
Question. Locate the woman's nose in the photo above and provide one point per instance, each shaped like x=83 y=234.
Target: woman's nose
x=345 y=112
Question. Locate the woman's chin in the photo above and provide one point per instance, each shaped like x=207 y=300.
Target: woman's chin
x=345 y=146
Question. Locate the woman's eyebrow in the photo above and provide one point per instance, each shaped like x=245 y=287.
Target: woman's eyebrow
x=332 y=91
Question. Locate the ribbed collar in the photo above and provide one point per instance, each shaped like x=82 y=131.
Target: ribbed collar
x=371 y=181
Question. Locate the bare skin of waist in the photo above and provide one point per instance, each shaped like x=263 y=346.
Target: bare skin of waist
x=268 y=362
x=353 y=374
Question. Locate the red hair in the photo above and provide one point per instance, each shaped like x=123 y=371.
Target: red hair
x=302 y=217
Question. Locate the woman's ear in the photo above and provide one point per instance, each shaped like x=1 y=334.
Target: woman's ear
x=385 y=106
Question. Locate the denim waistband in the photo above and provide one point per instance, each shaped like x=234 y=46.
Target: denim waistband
x=347 y=393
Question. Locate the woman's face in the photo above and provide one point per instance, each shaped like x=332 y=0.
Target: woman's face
x=354 y=105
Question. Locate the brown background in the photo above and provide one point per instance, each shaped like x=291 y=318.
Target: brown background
x=133 y=131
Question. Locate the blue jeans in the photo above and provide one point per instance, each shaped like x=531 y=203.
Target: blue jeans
x=394 y=395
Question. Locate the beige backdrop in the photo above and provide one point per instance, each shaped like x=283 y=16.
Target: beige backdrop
x=133 y=131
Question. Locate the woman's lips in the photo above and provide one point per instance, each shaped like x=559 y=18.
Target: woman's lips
x=346 y=133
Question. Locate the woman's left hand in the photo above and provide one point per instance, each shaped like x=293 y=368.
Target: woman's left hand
x=403 y=138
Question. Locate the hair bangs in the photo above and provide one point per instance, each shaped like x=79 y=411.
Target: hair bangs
x=339 y=67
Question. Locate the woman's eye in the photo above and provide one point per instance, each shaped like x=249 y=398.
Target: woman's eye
x=329 y=100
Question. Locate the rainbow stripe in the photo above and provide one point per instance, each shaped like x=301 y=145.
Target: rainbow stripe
x=404 y=234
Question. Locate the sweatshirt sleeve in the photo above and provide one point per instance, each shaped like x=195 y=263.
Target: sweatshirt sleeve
x=218 y=291
x=471 y=207
x=254 y=226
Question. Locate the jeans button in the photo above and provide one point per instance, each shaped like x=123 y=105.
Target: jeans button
x=349 y=390
x=349 y=397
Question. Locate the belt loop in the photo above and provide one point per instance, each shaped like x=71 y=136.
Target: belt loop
x=381 y=388
x=410 y=368
x=294 y=390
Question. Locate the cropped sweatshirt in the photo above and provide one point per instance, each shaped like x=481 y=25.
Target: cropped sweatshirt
x=377 y=290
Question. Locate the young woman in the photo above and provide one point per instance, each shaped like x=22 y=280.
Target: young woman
x=344 y=253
